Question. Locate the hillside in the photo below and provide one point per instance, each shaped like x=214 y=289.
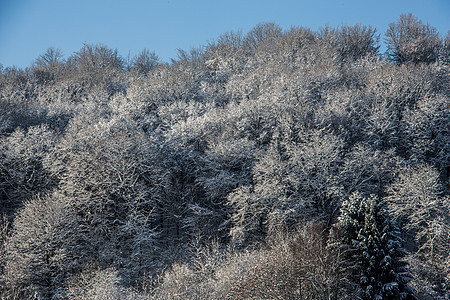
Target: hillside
x=270 y=164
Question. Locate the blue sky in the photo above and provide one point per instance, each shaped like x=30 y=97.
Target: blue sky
x=29 y=27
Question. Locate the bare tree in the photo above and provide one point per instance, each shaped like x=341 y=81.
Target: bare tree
x=50 y=60
x=45 y=247
x=408 y=40
x=358 y=41
x=262 y=35
x=144 y=62
x=445 y=51
x=417 y=199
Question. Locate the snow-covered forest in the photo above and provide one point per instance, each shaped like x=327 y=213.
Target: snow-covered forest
x=269 y=164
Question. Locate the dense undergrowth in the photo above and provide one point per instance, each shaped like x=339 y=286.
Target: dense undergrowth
x=268 y=165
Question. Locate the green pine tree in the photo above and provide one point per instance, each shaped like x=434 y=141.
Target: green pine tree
x=375 y=249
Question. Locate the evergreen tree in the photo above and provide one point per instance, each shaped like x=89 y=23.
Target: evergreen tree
x=375 y=249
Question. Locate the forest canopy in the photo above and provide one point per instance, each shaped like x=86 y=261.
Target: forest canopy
x=275 y=164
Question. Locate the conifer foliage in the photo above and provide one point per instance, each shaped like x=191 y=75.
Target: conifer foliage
x=375 y=248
